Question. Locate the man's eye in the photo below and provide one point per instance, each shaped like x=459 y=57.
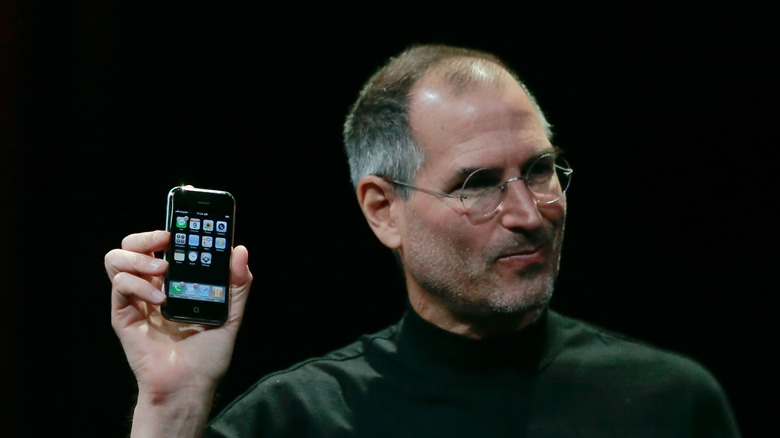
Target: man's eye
x=482 y=179
x=541 y=168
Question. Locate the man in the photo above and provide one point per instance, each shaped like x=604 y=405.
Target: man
x=454 y=171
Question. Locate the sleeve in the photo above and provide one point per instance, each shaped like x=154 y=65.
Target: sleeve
x=713 y=413
x=265 y=410
x=304 y=403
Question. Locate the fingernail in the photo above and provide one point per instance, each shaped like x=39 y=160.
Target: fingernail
x=157 y=263
x=157 y=296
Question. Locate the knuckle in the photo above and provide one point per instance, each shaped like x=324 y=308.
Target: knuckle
x=110 y=262
x=128 y=241
x=109 y=257
x=136 y=241
x=119 y=279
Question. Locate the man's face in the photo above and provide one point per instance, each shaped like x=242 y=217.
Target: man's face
x=475 y=269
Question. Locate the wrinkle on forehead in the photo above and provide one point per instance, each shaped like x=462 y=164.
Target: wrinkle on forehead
x=457 y=77
x=437 y=107
x=484 y=123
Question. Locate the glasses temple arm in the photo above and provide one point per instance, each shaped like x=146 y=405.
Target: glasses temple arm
x=431 y=192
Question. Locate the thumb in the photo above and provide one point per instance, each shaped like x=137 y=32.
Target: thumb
x=240 y=282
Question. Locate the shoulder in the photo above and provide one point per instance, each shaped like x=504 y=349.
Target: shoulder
x=347 y=362
x=350 y=360
x=306 y=390
x=590 y=346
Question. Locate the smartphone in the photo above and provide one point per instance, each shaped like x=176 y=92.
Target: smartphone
x=197 y=283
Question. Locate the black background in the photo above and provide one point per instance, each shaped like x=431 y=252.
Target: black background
x=668 y=114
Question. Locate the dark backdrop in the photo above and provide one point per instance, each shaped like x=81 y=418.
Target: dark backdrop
x=668 y=114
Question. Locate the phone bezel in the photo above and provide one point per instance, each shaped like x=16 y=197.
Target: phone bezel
x=195 y=311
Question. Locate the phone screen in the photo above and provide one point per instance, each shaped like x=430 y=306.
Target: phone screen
x=197 y=283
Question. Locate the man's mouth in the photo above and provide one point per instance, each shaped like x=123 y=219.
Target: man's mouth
x=522 y=257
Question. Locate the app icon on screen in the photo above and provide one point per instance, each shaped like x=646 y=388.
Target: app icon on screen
x=191 y=288
x=177 y=287
x=221 y=226
x=178 y=255
x=207 y=241
x=181 y=221
x=193 y=256
x=205 y=258
x=220 y=243
x=208 y=225
x=204 y=290
x=181 y=238
x=194 y=223
x=217 y=291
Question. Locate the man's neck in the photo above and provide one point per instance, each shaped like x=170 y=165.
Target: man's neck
x=473 y=326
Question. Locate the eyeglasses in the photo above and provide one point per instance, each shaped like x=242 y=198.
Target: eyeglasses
x=482 y=193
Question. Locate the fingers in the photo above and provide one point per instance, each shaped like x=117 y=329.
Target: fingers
x=239 y=267
x=241 y=280
x=126 y=286
x=118 y=260
x=137 y=255
x=133 y=268
x=147 y=243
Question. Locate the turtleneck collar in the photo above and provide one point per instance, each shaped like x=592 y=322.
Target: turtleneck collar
x=428 y=348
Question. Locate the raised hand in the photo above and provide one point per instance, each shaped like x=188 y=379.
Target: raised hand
x=177 y=365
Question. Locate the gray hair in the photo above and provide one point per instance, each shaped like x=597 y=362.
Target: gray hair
x=378 y=139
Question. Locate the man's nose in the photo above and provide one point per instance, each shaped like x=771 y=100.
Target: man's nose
x=519 y=209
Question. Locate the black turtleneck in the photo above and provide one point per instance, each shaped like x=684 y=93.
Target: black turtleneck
x=429 y=349
x=559 y=377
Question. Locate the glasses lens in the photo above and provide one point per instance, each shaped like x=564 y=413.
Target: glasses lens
x=548 y=178
x=481 y=193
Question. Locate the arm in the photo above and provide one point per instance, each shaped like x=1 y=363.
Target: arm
x=177 y=366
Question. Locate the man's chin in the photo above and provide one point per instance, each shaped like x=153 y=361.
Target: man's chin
x=525 y=293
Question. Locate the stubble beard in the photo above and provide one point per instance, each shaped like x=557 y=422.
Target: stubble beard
x=472 y=289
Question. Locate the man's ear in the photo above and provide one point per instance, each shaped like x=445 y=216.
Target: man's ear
x=380 y=204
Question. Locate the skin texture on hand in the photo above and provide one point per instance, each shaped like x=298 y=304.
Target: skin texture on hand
x=177 y=365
